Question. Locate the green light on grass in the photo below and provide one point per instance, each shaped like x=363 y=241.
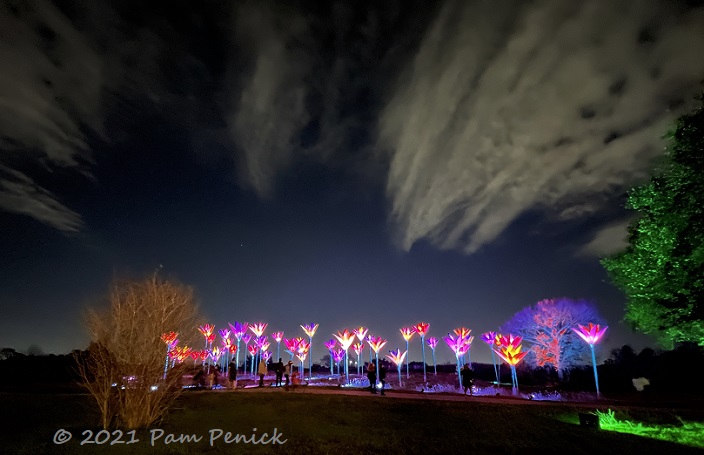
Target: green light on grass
x=687 y=433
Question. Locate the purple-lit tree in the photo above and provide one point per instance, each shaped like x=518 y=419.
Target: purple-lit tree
x=591 y=334
x=433 y=342
x=548 y=325
x=310 y=330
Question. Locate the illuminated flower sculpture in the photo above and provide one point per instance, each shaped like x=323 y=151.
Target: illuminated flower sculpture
x=464 y=332
x=361 y=333
x=422 y=329
x=397 y=358
x=278 y=336
x=337 y=356
x=330 y=344
x=227 y=349
x=266 y=355
x=171 y=339
x=225 y=339
x=358 y=347
x=591 y=334
x=258 y=330
x=291 y=345
x=457 y=344
x=407 y=333
x=490 y=338
x=302 y=351
x=376 y=343
x=510 y=352
x=206 y=330
x=246 y=338
x=346 y=338
x=238 y=331
x=310 y=330
x=433 y=342
x=253 y=349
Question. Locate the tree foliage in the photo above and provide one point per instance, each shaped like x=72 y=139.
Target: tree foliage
x=124 y=367
x=547 y=326
x=662 y=269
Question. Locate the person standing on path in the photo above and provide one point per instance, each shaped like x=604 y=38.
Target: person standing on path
x=232 y=375
x=279 y=369
x=467 y=376
x=262 y=370
x=371 y=375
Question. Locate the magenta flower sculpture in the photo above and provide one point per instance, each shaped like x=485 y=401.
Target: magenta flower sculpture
x=266 y=355
x=422 y=329
x=346 y=338
x=253 y=351
x=397 y=358
x=457 y=344
x=310 y=330
x=330 y=345
x=337 y=356
x=592 y=334
x=464 y=333
x=171 y=339
x=433 y=343
x=407 y=333
x=206 y=330
x=302 y=351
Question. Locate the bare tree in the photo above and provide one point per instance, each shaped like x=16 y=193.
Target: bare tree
x=124 y=367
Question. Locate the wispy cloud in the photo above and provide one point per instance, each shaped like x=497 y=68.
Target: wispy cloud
x=607 y=240
x=20 y=194
x=514 y=106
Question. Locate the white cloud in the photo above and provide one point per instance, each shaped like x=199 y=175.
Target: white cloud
x=513 y=106
x=608 y=240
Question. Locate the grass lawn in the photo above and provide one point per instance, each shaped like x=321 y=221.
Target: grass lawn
x=335 y=424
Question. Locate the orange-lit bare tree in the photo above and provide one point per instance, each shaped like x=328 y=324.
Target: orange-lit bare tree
x=124 y=367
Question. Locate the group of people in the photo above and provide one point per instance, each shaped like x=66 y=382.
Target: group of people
x=282 y=371
x=372 y=374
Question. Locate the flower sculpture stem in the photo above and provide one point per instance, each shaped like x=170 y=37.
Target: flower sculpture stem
x=591 y=334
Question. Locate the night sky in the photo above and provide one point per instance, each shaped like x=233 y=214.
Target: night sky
x=359 y=163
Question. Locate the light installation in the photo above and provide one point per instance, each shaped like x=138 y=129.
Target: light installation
x=291 y=346
x=302 y=352
x=266 y=355
x=215 y=354
x=376 y=343
x=253 y=349
x=278 y=336
x=258 y=330
x=346 y=338
x=422 y=329
x=246 y=338
x=407 y=333
x=310 y=330
x=358 y=348
x=330 y=345
x=397 y=358
x=591 y=334
x=170 y=338
x=433 y=342
x=490 y=339
x=457 y=345
x=225 y=339
x=361 y=334
x=338 y=355
x=206 y=330
x=510 y=352
x=464 y=332
x=238 y=331
x=195 y=355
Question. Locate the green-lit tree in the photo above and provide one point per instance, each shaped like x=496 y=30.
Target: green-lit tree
x=662 y=269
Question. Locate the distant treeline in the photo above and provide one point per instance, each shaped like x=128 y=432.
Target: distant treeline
x=665 y=371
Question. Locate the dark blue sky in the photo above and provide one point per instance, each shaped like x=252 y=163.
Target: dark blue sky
x=369 y=165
